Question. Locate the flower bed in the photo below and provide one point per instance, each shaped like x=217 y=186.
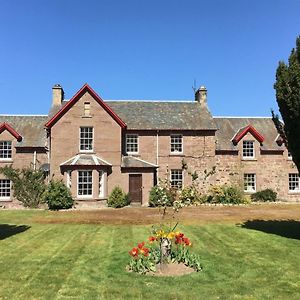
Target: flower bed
x=163 y=248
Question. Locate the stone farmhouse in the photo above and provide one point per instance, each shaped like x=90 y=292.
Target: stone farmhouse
x=94 y=145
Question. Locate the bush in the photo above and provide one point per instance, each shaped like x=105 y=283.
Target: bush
x=226 y=194
x=118 y=198
x=28 y=185
x=264 y=195
x=190 y=195
x=160 y=196
x=58 y=196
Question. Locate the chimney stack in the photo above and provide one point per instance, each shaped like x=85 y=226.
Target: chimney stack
x=201 y=96
x=57 y=95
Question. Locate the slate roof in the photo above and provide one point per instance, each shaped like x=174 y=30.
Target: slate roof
x=85 y=160
x=162 y=115
x=134 y=162
x=229 y=126
x=31 y=128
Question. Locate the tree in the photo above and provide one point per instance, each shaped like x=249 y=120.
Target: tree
x=287 y=88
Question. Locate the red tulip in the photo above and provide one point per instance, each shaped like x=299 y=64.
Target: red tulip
x=152 y=239
x=134 y=252
x=141 y=245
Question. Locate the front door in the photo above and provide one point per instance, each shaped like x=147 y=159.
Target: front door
x=135 y=188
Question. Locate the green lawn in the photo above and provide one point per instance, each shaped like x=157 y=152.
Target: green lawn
x=87 y=261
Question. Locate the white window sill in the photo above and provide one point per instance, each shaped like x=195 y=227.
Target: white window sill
x=6 y=159
x=83 y=197
x=249 y=159
x=133 y=153
x=250 y=192
x=5 y=199
x=293 y=192
x=177 y=153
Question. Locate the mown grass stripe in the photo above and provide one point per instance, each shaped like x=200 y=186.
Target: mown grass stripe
x=85 y=270
x=39 y=258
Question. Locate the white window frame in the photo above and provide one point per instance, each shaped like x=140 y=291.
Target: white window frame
x=130 y=143
x=248 y=152
x=176 y=140
x=69 y=179
x=101 y=184
x=249 y=182
x=3 y=189
x=83 y=139
x=87 y=183
x=5 y=148
x=175 y=175
x=294 y=183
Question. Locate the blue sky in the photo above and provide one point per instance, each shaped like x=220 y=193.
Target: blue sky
x=138 y=49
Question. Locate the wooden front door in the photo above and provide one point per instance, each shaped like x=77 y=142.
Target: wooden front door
x=135 y=188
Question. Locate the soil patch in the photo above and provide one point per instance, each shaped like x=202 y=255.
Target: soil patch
x=187 y=216
x=172 y=269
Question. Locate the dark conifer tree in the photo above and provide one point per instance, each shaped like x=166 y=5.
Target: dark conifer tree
x=287 y=88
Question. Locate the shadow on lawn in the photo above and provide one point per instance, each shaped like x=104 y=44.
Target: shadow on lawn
x=286 y=228
x=7 y=230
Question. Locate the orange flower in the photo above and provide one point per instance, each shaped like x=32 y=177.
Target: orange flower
x=134 y=252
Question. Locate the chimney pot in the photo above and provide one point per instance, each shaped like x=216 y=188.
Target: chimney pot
x=57 y=95
x=201 y=96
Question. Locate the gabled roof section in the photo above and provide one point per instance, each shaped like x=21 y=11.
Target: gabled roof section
x=228 y=127
x=29 y=127
x=13 y=132
x=248 y=129
x=86 y=160
x=134 y=162
x=85 y=89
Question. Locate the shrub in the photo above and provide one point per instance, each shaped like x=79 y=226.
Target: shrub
x=190 y=195
x=160 y=196
x=58 y=196
x=28 y=185
x=226 y=194
x=118 y=198
x=264 y=195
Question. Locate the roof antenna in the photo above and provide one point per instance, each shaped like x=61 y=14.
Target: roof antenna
x=194 y=87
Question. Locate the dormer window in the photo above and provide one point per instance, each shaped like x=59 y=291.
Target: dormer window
x=132 y=143
x=290 y=155
x=86 y=139
x=176 y=143
x=5 y=150
x=248 y=149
